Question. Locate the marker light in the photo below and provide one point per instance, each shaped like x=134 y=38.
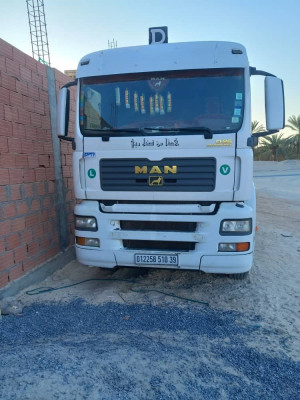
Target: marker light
x=85 y=223
x=236 y=227
x=84 y=241
x=236 y=247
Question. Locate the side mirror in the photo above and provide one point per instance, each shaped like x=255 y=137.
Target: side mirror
x=274 y=101
x=62 y=112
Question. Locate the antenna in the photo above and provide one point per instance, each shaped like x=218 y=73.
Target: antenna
x=113 y=44
x=38 y=31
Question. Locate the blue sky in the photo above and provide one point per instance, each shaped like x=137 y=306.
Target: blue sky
x=269 y=29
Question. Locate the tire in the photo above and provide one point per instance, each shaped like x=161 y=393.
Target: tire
x=240 y=276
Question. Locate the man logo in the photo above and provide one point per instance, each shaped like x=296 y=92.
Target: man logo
x=156 y=181
x=166 y=169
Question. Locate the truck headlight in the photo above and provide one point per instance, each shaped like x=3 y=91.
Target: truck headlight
x=85 y=223
x=236 y=227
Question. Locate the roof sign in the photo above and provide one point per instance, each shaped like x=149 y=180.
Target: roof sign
x=158 y=35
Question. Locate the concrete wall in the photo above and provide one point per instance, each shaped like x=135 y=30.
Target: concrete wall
x=29 y=223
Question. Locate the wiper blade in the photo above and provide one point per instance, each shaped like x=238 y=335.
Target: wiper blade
x=208 y=133
x=112 y=130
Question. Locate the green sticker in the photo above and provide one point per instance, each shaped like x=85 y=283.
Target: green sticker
x=224 y=169
x=91 y=173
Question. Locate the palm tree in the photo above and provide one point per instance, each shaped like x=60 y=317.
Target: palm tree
x=295 y=126
x=256 y=126
x=274 y=146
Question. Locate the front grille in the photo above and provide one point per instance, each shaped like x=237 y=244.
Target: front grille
x=159 y=246
x=167 y=175
x=168 y=226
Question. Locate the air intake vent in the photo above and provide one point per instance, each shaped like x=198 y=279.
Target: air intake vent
x=167 y=175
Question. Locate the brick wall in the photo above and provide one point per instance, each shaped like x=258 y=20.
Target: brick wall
x=28 y=224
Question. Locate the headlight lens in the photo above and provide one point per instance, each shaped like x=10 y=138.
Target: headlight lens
x=236 y=226
x=85 y=223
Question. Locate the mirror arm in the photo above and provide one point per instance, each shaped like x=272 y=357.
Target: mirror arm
x=252 y=141
x=254 y=71
x=69 y=84
x=68 y=139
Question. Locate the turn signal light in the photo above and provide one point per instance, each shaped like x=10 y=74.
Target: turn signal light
x=236 y=247
x=84 y=241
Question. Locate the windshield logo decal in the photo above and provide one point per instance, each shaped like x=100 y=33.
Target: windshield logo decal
x=156 y=181
x=167 y=142
x=221 y=143
x=225 y=169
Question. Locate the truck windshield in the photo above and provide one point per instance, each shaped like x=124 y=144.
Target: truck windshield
x=212 y=99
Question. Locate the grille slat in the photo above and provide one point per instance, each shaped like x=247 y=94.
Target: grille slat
x=192 y=175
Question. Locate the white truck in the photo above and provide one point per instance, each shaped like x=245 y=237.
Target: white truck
x=163 y=159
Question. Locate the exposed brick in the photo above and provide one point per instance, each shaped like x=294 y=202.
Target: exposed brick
x=11 y=113
x=28 y=103
x=29 y=264
x=18 y=129
x=8 y=81
x=21 y=161
x=4 y=175
x=26 y=237
x=33 y=248
x=6 y=128
x=28 y=189
x=15 y=192
x=39 y=107
x=24 y=117
x=3 y=279
x=50 y=174
x=15 y=176
x=6 y=49
x=2 y=245
x=16 y=272
x=9 y=210
x=43 y=95
x=25 y=73
x=5 y=227
x=40 y=174
x=35 y=205
x=14 y=145
x=3 y=144
x=12 y=241
x=31 y=133
x=35 y=119
x=41 y=69
x=2 y=63
x=33 y=160
x=3 y=194
x=44 y=160
x=41 y=188
x=18 y=224
x=22 y=207
x=22 y=88
x=31 y=220
x=31 y=63
x=16 y=99
x=20 y=253
x=37 y=79
x=18 y=56
x=34 y=92
x=12 y=67
x=28 y=175
x=6 y=260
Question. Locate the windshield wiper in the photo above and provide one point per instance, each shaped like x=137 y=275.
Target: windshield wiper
x=208 y=133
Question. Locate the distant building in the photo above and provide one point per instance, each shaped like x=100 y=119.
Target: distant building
x=71 y=73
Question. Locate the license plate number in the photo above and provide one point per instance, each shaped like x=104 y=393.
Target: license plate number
x=156 y=259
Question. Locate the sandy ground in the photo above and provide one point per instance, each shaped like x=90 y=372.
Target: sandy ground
x=267 y=301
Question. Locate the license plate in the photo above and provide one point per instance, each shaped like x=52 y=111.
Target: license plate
x=156 y=259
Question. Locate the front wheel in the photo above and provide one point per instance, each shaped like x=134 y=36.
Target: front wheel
x=240 y=276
